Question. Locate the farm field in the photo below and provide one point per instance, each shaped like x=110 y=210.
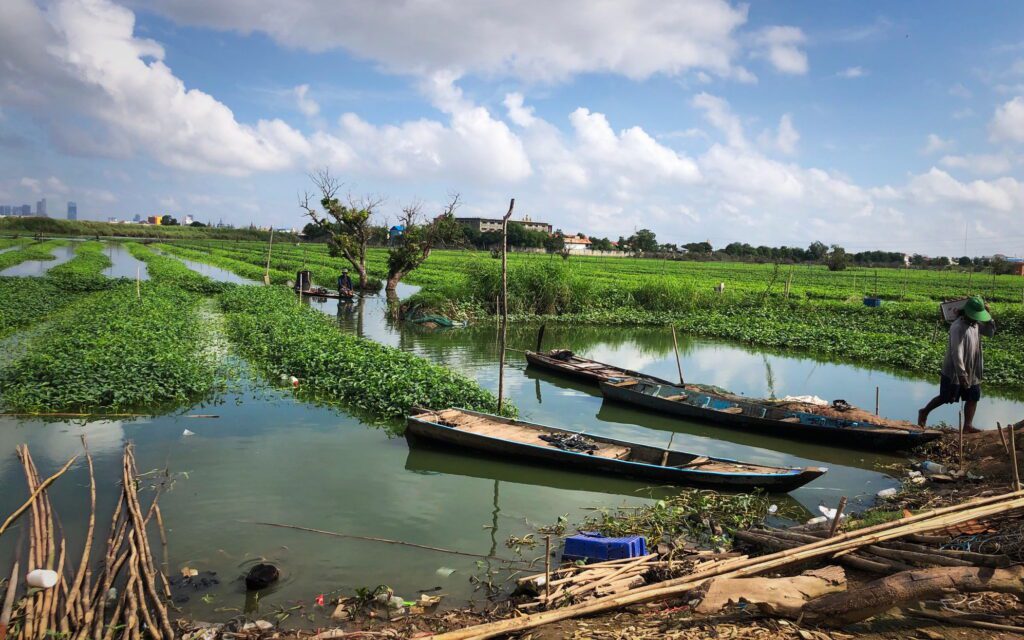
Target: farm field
x=822 y=313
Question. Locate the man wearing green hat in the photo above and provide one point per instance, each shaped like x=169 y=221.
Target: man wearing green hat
x=963 y=367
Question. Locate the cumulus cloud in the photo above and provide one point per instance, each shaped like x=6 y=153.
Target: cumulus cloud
x=852 y=72
x=530 y=39
x=1007 y=124
x=781 y=47
x=719 y=115
x=784 y=139
x=981 y=164
x=934 y=144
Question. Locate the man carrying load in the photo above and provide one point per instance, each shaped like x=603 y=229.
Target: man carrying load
x=963 y=367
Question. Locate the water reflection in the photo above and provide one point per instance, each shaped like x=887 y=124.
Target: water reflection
x=123 y=263
x=39 y=268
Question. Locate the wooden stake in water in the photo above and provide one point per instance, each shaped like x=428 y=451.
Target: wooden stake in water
x=504 y=302
x=540 y=337
x=270 y=247
x=839 y=515
x=138 y=282
x=664 y=456
x=876 y=401
x=679 y=365
x=547 y=569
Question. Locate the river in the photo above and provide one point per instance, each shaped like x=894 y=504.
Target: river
x=270 y=458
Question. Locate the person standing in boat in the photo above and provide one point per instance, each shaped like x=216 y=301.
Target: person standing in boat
x=344 y=283
x=963 y=366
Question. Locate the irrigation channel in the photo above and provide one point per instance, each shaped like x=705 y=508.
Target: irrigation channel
x=268 y=457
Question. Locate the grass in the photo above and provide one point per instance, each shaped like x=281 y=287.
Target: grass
x=284 y=337
x=112 y=351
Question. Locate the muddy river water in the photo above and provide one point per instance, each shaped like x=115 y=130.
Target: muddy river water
x=270 y=458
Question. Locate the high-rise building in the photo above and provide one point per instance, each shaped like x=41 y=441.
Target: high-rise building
x=5 y=210
x=41 y=208
x=137 y=218
x=72 y=211
x=26 y=210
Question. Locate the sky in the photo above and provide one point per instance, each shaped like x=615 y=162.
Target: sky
x=873 y=125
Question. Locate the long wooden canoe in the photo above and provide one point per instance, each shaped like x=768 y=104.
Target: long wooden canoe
x=569 y=364
x=763 y=417
x=518 y=440
x=326 y=293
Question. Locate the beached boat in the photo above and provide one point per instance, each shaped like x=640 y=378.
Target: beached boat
x=795 y=420
x=326 y=293
x=528 y=442
x=567 y=363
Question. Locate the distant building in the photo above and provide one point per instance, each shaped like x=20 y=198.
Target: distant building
x=155 y=219
x=483 y=225
x=576 y=243
x=5 y=209
x=41 y=208
x=395 y=232
x=137 y=218
x=25 y=210
x=187 y=220
x=72 y=211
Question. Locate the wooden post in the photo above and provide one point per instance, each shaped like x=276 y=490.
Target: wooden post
x=789 y=282
x=960 y=428
x=839 y=515
x=679 y=365
x=270 y=247
x=1006 y=447
x=1013 y=460
x=540 y=337
x=138 y=282
x=876 y=400
x=547 y=570
x=664 y=456
x=504 y=303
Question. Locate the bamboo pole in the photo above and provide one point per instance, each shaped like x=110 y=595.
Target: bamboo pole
x=1013 y=459
x=664 y=456
x=1006 y=447
x=73 y=606
x=504 y=303
x=270 y=247
x=675 y=346
x=839 y=516
x=5 y=611
x=876 y=400
x=960 y=429
x=35 y=494
x=547 y=568
x=923 y=522
x=138 y=282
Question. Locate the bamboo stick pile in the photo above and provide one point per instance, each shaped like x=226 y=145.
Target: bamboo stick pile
x=124 y=595
x=825 y=548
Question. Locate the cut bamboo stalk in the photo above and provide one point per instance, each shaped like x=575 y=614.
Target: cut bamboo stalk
x=1013 y=458
x=839 y=516
x=547 y=564
x=999 y=429
x=35 y=494
x=578 y=591
x=5 y=611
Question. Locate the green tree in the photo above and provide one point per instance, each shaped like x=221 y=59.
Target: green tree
x=965 y=261
x=698 y=247
x=818 y=250
x=349 y=226
x=169 y=221
x=601 y=244
x=413 y=247
x=643 y=240
x=555 y=242
x=837 y=259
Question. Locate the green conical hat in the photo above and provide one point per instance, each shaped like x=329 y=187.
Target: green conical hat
x=975 y=310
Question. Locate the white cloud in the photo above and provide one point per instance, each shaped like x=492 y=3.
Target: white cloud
x=784 y=139
x=960 y=91
x=31 y=184
x=517 y=113
x=781 y=46
x=982 y=164
x=719 y=115
x=938 y=187
x=852 y=72
x=530 y=39
x=1007 y=123
x=934 y=144
x=307 y=105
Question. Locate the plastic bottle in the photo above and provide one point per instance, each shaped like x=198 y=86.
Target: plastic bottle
x=886 y=493
x=933 y=467
x=42 y=578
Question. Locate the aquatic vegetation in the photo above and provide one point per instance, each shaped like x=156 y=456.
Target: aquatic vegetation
x=26 y=301
x=702 y=517
x=287 y=338
x=34 y=251
x=238 y=267
x=84 y=272
x=168 y=270
x=114 y=351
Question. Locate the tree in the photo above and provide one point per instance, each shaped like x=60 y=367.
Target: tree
x=168 y=221
x=601 y=244
x=641 y=241
x=698 y=247
x=196 y=223
x=965 y=261
x=818 y=250
x=348 y=225
x=413 y=247
x=315 y=233
x=836 y=259
x=555 y=242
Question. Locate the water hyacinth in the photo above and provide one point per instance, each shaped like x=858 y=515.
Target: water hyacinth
x=172 y=271
x=84 y=272
x=271 y=328
x=113 y=351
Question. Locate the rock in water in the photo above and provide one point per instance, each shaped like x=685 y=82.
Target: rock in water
x=261 y=576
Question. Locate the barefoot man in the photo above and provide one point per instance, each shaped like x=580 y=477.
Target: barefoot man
x=962 y=368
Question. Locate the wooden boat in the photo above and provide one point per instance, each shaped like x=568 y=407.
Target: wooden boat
x=515 y=439
x=326 y=293
x=569 y=364
x=764 y=417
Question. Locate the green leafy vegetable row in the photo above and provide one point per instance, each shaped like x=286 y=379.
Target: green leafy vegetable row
x=114 y=351
x=168 y=270
x=284 y=337
x=84 y=272
x=35 y=251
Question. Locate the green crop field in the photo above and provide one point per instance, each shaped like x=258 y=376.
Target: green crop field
x=799 y=307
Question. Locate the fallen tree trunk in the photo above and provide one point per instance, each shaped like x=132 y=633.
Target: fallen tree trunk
x=840 y=609
x=773 y=596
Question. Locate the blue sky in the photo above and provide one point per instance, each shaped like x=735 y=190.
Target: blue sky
x=872 y=125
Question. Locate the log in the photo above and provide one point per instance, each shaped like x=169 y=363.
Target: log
x=840 y=609
x=772 y=596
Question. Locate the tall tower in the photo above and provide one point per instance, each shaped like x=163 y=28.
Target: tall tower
x=72 y=211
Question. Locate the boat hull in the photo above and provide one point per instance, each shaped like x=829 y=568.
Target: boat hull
x=784 y=481
x=593 y=376
x=875 y=439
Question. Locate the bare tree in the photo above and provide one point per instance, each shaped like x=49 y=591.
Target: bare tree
x=349 y=224
x=412 y=248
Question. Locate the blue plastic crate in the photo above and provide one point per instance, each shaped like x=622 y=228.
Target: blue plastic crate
x=592 y=546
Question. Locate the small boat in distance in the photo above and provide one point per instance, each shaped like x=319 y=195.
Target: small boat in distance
x=793 y=420
x=535 y=443
x=567 y=363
